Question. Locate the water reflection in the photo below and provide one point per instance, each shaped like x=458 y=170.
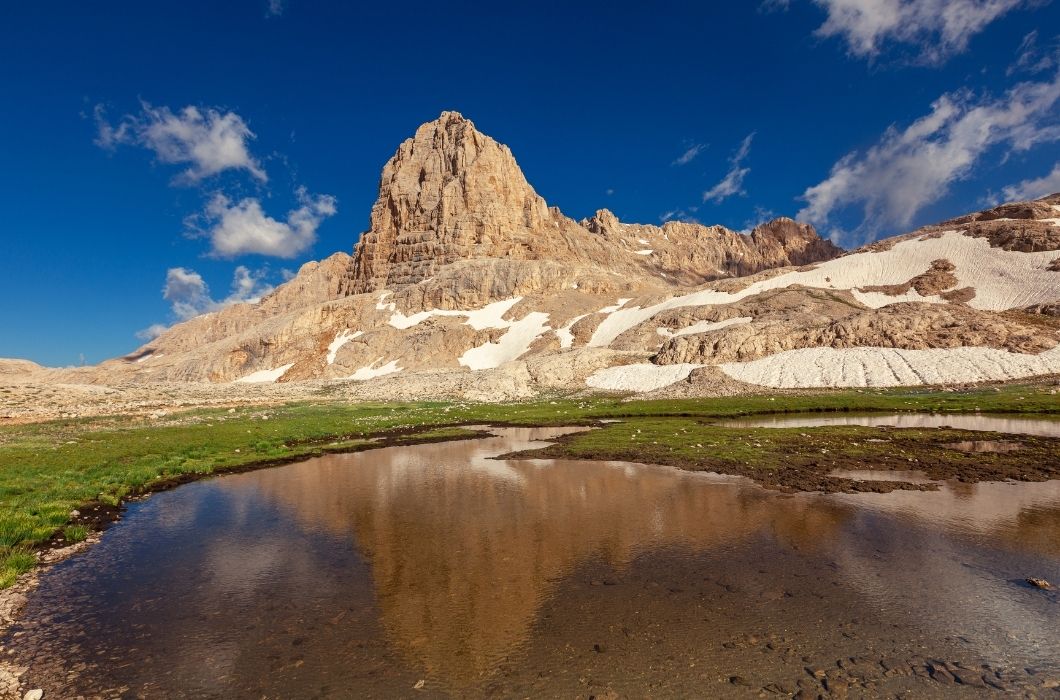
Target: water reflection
x=361 y=574
x=994 y=423
x=464 y=548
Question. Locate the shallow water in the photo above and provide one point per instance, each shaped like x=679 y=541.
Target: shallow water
x=994 y=423
x=362 y=575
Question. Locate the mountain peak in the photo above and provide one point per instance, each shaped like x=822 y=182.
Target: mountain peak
x=450 y=192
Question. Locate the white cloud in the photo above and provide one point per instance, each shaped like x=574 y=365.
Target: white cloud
x=687 y=217
x=207 y=140
x=732 y=183
x=1030 y=58
x=274 y=8
x=909 y=169
x=189 y=295
x=761 y=216
x=240 y=228
x=689 y=155
x=152 y=331
x=938 y=28
x=1035 y=188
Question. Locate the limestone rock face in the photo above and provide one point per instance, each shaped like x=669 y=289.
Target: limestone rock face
x=904 y=325
x=18 y=369
x=453 y=194
x=690 y=254
x=468 y=285
x=450 y=193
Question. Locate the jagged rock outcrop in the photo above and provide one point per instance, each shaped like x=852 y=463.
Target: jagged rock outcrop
x=692 y=254
x=452 y=194
x=908 y=326
x=467 y=283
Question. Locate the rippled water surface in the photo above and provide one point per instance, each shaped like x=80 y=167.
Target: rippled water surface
x=436 y=571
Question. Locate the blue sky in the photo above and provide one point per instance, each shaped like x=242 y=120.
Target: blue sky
x=162 y=159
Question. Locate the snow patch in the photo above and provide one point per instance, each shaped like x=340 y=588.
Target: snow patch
x=521 y=334
x=264 y=375
x=1002 y=279
x=616 y=307
x=371 y=371
x=566 y=338
x=380 y=306
x=341 y=338
x=703 y=327
x=489 y=316
x=857 y=367
x=646 y=251
x=639 y=377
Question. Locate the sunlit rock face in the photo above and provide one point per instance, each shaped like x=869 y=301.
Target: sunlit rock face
x=466 y=280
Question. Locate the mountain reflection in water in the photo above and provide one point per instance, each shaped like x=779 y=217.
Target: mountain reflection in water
x=464 y=548
x=363 y=573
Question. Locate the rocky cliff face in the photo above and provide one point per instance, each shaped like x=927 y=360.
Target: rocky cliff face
x=451 y=193
x=467 y=284
x=692 y=254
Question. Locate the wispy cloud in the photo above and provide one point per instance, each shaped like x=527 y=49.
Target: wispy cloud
x=936 y=29
x=1034 y=188
x=189 y=295
x=687 y=216
x=732 y=183
x=689 y=155
x=767 y=6
x=275 y=8
x=243 y=227
x=761 y=216
x=1032 y=58
x=910 y=168
x=207 y=140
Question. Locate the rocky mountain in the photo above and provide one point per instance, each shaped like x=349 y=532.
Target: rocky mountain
x=467 y=283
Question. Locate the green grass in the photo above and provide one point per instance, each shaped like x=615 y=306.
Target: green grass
x=49 y=469
x=75 y=533
x=757 y=452
x=13 y=563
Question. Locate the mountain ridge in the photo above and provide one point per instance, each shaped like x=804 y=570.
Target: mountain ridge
x=467 y=283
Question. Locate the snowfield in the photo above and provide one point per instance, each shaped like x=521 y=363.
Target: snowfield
x=566 y=338
x=639 y=377
x=521 y=334
x=341 y=338
x=703 y=327
x=264 y=375
x=881 y=367
x=489 y=316
x=371 y=371
x=1002 y=279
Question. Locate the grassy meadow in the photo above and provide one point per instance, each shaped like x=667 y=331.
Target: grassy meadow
x=50 y=469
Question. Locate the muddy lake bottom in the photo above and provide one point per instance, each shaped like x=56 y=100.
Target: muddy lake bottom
x=436 y=571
